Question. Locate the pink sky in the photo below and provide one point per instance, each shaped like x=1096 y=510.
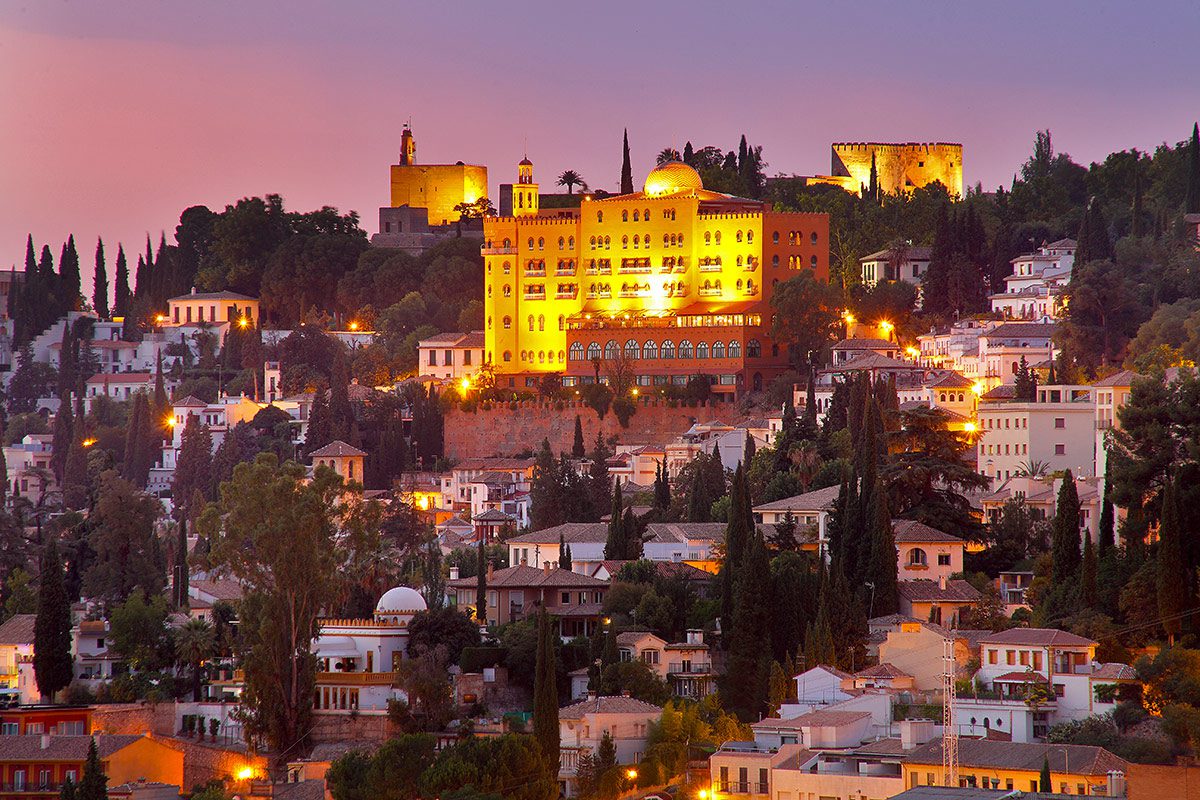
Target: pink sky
x=114 y=120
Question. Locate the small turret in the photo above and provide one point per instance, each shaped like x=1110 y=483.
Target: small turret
x=408 y=148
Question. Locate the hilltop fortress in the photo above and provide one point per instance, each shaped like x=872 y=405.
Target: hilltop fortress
x=898 y=167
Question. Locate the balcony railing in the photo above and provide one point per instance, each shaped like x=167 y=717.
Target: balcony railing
x=497 y=251
x=743 y=787
x=534 y=296
x=689 y=668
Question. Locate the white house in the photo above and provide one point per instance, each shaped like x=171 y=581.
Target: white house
x=1036 y=287
x=908 y=264
x=451 y=356
x=582 y=725
x=1057 y=431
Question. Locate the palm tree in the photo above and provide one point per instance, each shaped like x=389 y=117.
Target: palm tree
x=1033 y=468
x=668 y=154
x=194 y=642
x=806 y=460
x=569 y=178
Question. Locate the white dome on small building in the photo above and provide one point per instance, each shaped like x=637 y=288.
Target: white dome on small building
x=400 y=600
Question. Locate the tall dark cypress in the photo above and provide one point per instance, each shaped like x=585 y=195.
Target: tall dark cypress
x=1107 y=534
x=100 y=283
x=626 y=167
x=578 y=449
x=614 y=545
x=69 y=279
x=738 y=532
x=1065 y=534
x=94 y=783
x=1191 y=203
x=882 y=572
x=1171 y=573
x=1087 y=574
x=121 y=292
x=64 y=428
x=52 y=663
x=481 y=582
x=545 y=694
x=745 y=691
x=182 y=573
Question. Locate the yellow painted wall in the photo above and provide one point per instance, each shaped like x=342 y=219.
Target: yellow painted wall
x=899 y=165
x=438 y=187
x=1023 y=780
x=145 y=758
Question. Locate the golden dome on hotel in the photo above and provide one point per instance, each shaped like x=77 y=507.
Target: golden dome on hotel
x=672 y=177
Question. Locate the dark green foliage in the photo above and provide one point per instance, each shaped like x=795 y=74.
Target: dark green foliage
x=1064 y=539
x=545 y=693
x=193 y=469
x=481 y=583
x=1088 y=574
x=882 y=570
x=626 y=167
x=100 y=283
x=122 y=296
x=446 y=627
x=745 y=691
x=1191 y=202
x=69 y=280
x=94 y=783
x=738 y=535
x=52 y=662
x=1172 y=577
x=578 y=449
x=127 y=555
x=1044 y=784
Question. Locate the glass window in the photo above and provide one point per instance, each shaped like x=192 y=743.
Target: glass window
x=667 y=350
x=718 y=350
x=735 y=349
x=507 y=323
x=650 y=350
x=631 y=349
x=611 y=349
x=685 y=349
x=701 y=350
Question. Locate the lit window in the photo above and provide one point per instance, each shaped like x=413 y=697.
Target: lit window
x=701 y=350
x=667 y=350
x=685 y=349
x=631 y=349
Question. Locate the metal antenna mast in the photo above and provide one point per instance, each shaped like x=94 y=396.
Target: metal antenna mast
x=949 y=731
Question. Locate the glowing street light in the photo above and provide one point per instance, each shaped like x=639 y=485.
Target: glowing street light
x=631 y=774
x=169 y=422
x=353 y=326
x=465 y=385
x=160 y=318
x=969 y=427
x=635 y=391
x=245 y=773
x=88 y=442
x=243 y=323
x=977 y=388
x=912 y=351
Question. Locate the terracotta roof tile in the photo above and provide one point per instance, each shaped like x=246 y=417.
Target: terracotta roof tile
x=608 y=704
x=925 y=591
x=1044 y=637
x=18 y=629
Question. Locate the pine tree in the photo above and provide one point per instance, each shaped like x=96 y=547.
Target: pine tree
x=1171 y=576
x=193 y=468
x=1191 y=204
x=100 y=283
x=626 y=167
x=52 y=663
x=883 y=566
x=70 y=281
x=481 y=583
x=1087 y=574
x=121 y=293
x=1065 y=533
x=1023 y=382
x=319 y=433
x=94 y=783
x=545 y=693
x=749 y=635
x=689 y=154
x=67 y=790
x=578 y=450
x=1044 y=783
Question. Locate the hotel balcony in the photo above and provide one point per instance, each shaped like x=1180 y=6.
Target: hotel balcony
x=498 y=251
x=534 y=296
x=710 y=267
x=634 y=293
x=710 y=292
x=689 y=668
x=742 y=787
x=569 y=294
x=356 y=678
x=564 y=270
x=540 y=272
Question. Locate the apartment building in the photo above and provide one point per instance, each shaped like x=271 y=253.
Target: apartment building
x=1055 y=432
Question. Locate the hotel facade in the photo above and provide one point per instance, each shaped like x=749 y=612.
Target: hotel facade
x=674 y=280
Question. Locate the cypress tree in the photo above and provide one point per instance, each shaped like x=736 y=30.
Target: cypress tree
x=1044 y=784
x=545 y=694
x=67 y=790
x=750 y=638
x=662 y=488
x=481 y=583
x=94 y=783
x=129 y=462
x=564 y=556
x=193 y=468
x=3 y=473
x=121 y=293
x=318 y=433
x=614 y=544
x=1191 y=203
x=626 y=167
x=599 y=482
x=64 y=429
x=1171 y=576
x=1107 y=533
x=70 y=280
x=577 y=447
x=182 y=571
x=699 y=503
x=689 y=154
x=1087 y=574
x=882 y=571
x=738 y=533
x=100 y=283
x=873 y=187
x=52 y=663
x=75 y=471
x=632 y=550
x=1065 y=533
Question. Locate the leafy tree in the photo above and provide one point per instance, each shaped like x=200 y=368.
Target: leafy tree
x=447 y=627
x=127 y=552
x=139 y=631
x=21 y=597
x=545 y=694
x=808 y=317
x=275 y=532
x=637 y=679
x=30 y=381
x=52 y=662
x=1104 y=312
x=195 y=641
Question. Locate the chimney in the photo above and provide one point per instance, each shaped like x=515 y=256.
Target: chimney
x=942 y=582
x=546 y=567
x=695 y=636
x=490 y=572
x=454 y=573
x=914 y=732
x=45 y=741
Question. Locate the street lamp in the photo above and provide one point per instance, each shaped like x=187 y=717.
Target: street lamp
x=631 y=774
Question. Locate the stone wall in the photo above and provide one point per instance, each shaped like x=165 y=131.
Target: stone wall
x=343 y=727
x=507 y=429
x=205 y=761
x=134 y=718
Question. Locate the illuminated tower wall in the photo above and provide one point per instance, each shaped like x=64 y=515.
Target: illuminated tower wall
x=900 y=167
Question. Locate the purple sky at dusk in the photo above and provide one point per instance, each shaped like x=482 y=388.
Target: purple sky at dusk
x=116 y=116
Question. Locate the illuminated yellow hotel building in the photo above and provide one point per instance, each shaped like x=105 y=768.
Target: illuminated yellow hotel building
x=675 y=278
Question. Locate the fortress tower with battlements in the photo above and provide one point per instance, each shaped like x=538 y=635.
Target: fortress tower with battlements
x=898 y=167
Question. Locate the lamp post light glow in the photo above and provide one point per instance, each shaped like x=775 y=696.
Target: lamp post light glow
x=631 y=774
x=465 y=385
x=353 y=326
x=969 y=427
x=88 y=442
x=977 y=388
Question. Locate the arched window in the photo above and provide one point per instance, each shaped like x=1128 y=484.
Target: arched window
x=739 y=284
x=571 y=242
x=560 y=356
x=593 y=351
x=507 y=290
x=624 y=216
x=530 y=243
x=739 y=236
x=750 y=285
x=707 y=237
x=507 y=323
x=774 y=237
x=701 y=350
x=635 y=216
x=508 y=243
x=749 y=236
x=718 y=237
x=541 y=322
x=646 y=240
x=560 y=243
x=667 y=350
x=812 y=261
x=489 y=291
x=646 y=215
x=576 y=351
x=753 y=349
x=531 y=323
x=624 y=242
x=631 y=349
x=650 y=350
x=775 y=261
x=592 y=242
x=611 y=350
x=507 y=268
x=941 y=397
x=489 y=323
x=562 y=322
x=541 y=243
x=739 y=261
x=735 y=349
x=717 y=285
x=917 y=558
x=814 y=237
x=680 y=240
x=599 y=216
x=607 y=242
x=685 y=349
x=718 y=350
x=666 y=240
x=791 y=237
x=541 y=357
x=507 y=356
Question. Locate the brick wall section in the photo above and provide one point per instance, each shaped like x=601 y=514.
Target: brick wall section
x=203 y=762
x=505 y=431
x=1157 y=782
x=134 y=718
x=342 y=727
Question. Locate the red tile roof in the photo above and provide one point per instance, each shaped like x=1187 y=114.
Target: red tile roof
x=608 y=705
x=521 y=576
x=1038 y=637
x=926 y=591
